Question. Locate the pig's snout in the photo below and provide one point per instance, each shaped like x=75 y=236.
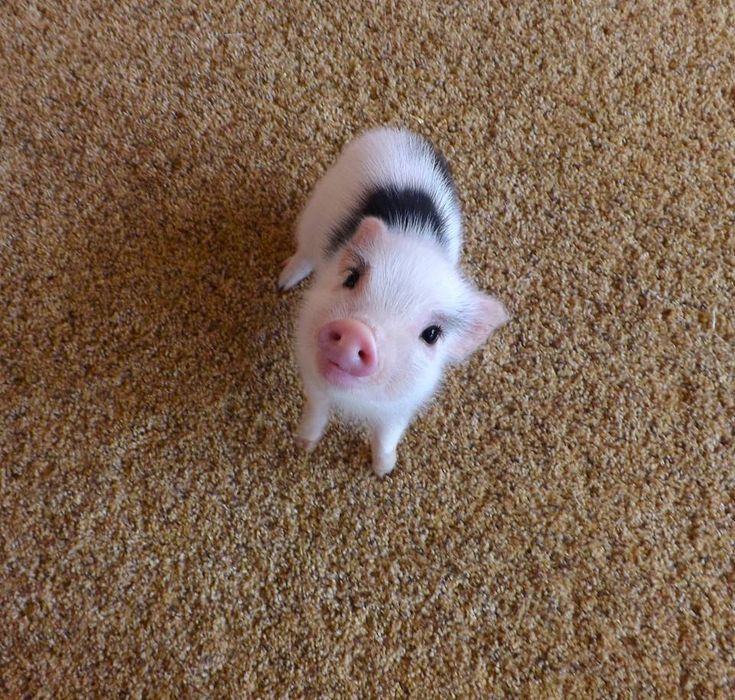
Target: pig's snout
x=349 y=345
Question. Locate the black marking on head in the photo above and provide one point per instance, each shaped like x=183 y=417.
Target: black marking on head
x=398 y=207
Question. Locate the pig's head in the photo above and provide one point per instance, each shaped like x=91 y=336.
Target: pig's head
x=386 y=314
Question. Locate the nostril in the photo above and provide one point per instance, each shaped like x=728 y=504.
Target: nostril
x=361 y=355
x=335 y=337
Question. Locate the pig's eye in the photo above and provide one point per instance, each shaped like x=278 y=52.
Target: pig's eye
x=431 y=334
x=351 y=279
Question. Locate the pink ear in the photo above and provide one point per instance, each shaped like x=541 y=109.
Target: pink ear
x=486 y=315
x=368 y=232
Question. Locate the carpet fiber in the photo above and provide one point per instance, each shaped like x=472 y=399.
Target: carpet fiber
x=562 y=520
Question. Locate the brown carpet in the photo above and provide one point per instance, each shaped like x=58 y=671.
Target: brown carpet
x=562 y=521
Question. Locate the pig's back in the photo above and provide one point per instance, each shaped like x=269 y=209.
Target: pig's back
x=390 y=173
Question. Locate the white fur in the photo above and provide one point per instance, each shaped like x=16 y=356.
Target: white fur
x=377 y=157
x=413 y=281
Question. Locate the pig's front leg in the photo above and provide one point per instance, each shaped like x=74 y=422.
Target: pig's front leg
x=384 y=440
x=313 y=421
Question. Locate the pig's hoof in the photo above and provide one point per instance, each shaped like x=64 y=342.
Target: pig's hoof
x=294 y=270
x=306 y=444
x=384 y=463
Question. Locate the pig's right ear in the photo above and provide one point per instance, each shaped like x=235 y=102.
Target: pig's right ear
x=485 y=315
x=369 y=232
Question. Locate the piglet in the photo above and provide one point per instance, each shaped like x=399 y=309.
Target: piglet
x=389 y=307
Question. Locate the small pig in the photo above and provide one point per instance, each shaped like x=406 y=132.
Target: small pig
x=389 y=307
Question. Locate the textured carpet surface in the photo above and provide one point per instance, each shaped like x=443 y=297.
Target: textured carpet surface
x=562 y=520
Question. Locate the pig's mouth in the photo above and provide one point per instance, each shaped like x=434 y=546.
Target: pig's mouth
x=335 y=375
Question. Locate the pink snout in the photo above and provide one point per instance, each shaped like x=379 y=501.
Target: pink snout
x=349 y=346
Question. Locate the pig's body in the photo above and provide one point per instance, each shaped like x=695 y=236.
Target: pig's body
x=389 y=307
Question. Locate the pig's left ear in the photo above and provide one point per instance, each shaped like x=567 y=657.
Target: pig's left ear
x=485 y=315
x=369 y=232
